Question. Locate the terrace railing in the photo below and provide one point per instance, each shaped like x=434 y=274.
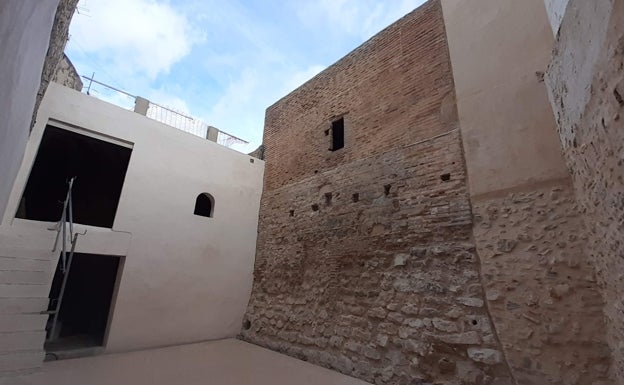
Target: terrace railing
x=172 y=117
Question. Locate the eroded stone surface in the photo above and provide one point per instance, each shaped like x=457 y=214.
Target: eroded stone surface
x=375 y=273
x=585 y=82
x=58 y=39
x=542 y=293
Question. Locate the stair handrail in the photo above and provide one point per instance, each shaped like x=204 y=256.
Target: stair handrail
x=68 y=210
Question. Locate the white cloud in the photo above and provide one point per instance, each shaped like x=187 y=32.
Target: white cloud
x=166 y=99
x=240 y=109
x=361 y=18
x=298 y=78
x=143 y=37
x=248 y=62
x=113 y=97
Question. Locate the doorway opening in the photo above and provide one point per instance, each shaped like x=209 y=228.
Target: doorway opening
x=85 y=304
x=99 y=167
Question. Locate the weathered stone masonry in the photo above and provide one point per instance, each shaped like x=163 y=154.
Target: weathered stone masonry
x=540 y=286
x=365 y=260
x=586 y=84
x=58 y=40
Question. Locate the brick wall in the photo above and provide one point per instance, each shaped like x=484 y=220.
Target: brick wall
x=390 y=91
x=365 y=260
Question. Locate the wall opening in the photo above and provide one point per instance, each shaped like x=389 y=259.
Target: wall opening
x=328 y=198
x=85 y=307
x=204 y=205
x=337 y=135
x=99 y=167
x=445 y=177
x=618 y=97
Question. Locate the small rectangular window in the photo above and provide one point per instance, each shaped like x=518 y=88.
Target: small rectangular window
x=337 y=132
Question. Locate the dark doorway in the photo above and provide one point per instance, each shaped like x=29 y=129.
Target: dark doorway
x=99 y=167
x=86 y=302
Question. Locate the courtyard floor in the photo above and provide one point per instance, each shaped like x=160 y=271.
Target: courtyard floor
x=225 y=362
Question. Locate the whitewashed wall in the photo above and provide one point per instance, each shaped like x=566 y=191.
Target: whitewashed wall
x=185 y=278
x=25 y=27
x=556 y=10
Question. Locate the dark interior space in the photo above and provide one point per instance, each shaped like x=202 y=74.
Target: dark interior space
x=204 y=205
x=99 y=167
x=337 y=134
x=86 y=303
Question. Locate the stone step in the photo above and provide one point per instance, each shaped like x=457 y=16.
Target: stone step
x=22 y=322
x=25 y=264
x=18 y=377
x=14 y=341
x=23 y=305
x=24 y=290
x=19 y=276
x=15 y=361
x=13 y=252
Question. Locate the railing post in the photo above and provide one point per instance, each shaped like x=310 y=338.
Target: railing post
x=212 y=133
x=141 y=105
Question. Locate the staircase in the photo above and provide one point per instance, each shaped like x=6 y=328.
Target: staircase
x=25 y=276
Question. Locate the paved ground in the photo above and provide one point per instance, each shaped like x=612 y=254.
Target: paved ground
x=226 y=362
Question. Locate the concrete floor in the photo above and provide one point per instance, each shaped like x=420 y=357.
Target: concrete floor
x=225 y=362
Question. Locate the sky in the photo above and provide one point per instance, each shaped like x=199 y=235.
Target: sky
x=222 y=61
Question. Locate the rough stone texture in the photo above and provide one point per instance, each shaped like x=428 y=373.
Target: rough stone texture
x=365 y=261
x=67 y=75
x=586 y=84
x=58 y=40
x=541 y=287
x=258 y=152
x=555 y=10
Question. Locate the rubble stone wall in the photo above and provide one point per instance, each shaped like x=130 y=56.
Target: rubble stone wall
x=528 y=232
x=365 y=261
x=540 y=286
x=586 y=84
x=58 y=40
x=67 y=75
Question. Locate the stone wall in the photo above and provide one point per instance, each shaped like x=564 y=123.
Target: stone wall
x=528 y=234
x=555 y=10
x=365 y=260
x=58 y=40
x=586 y=83
x=67 y=75
x=540 y=286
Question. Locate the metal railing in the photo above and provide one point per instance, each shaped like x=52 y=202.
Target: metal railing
x=66 y=222
x=68 y=210
x=172 y=117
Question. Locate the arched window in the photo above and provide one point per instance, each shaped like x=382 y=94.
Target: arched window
x=204 y=205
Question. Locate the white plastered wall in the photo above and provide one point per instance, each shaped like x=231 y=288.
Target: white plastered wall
x=498 y=50
x=555 y=10
x=25 y=27
x=185 y=278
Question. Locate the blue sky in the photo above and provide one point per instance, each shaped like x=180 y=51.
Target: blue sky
x=222 y=61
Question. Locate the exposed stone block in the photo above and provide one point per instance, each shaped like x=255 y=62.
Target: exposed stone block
x=486 y=356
